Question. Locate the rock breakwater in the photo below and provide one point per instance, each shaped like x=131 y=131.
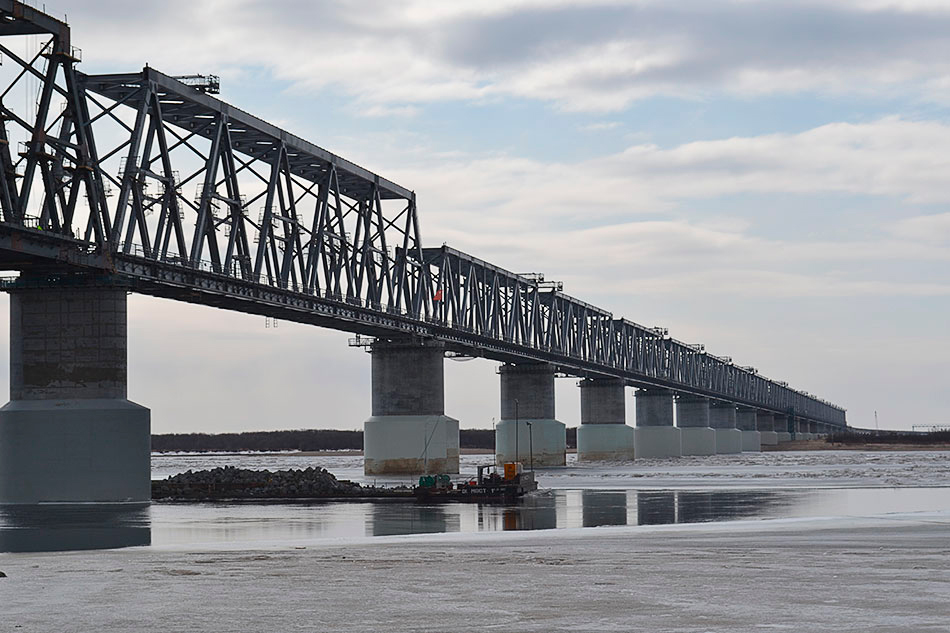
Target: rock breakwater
x=229 y=482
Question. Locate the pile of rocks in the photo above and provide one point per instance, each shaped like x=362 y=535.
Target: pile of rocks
x=240 y=483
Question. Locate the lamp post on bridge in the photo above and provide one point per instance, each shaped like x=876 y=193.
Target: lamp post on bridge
x=530 y=446
x=517 y=433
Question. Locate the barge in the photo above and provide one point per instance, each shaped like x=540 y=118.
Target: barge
x=510 y=484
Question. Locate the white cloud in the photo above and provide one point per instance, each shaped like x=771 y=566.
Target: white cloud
x=645 y=210
x=890 y=157
x=589 y=56
x=932 y=229
x=601 y=126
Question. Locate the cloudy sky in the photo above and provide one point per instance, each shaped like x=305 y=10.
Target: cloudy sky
x=768 y=178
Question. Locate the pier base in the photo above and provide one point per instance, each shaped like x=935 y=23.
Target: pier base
x=69 y=434
x=657 y=441
x=410 y=445
x=74 y=451
x=751 y=441
x=605 y=442
x=540 y=441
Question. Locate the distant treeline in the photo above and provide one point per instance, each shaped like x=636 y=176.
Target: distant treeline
x=891 y=437
x=301 y=440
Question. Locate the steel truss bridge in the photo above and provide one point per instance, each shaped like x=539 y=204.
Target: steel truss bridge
x=149 y=181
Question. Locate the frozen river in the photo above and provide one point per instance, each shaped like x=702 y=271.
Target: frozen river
x=762 y=486
x=823 y=541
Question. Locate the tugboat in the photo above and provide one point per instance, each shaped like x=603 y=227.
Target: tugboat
x=489 y=485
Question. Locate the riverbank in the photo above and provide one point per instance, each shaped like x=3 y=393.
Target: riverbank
x=824 y=445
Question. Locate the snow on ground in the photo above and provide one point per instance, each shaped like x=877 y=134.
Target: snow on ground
x=883 y=574
x=791 y=469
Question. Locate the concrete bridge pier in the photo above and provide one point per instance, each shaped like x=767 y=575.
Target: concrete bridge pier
x=603 y=433
x=692 y=418
x=783 y=425
x=69 y=434
x=408 y=432
x=746 y=423
x=722 y=418
x=528 y=431
x=655 y=435
x=802 y=431
x=765 y=423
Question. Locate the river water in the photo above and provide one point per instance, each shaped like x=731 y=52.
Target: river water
x=689 y=490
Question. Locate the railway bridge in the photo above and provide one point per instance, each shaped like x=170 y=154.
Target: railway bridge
x=148 y=183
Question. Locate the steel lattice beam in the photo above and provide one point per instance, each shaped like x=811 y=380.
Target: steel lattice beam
x=279 y=226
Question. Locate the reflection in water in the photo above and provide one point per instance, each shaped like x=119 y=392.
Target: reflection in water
x=52 y=528
x=388 y=519
x=534 y=512
x=656 y=508
x=39 y=528
x=603 y=508
x=702 y=507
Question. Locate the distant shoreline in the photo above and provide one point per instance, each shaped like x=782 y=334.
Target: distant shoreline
x=822 y=445
x=802 y=445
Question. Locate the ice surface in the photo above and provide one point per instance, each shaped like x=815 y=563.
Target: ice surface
x=808 y=469
x=868 y=575
x=875 y=572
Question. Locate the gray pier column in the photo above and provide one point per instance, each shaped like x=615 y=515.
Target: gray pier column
x=603 y=433
x=528 y=431
x=722 y=419
x=655 y=435
x=408 y=432
x=783 y=425
x=765 y=423
x=801 y=430
x=751 y=438
x=69 y=434
x=692 y=418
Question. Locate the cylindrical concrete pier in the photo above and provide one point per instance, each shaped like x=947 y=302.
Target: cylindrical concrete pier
x=409 y=432
x=69 y=434
x=528 y=431
x=765 y=423
x=751 y=438
x=655 y=435
x=603 y=433
x=692 y=418
x=722 y=419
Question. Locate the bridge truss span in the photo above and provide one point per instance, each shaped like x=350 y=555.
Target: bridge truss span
x=172 y=192
x=519 y=313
